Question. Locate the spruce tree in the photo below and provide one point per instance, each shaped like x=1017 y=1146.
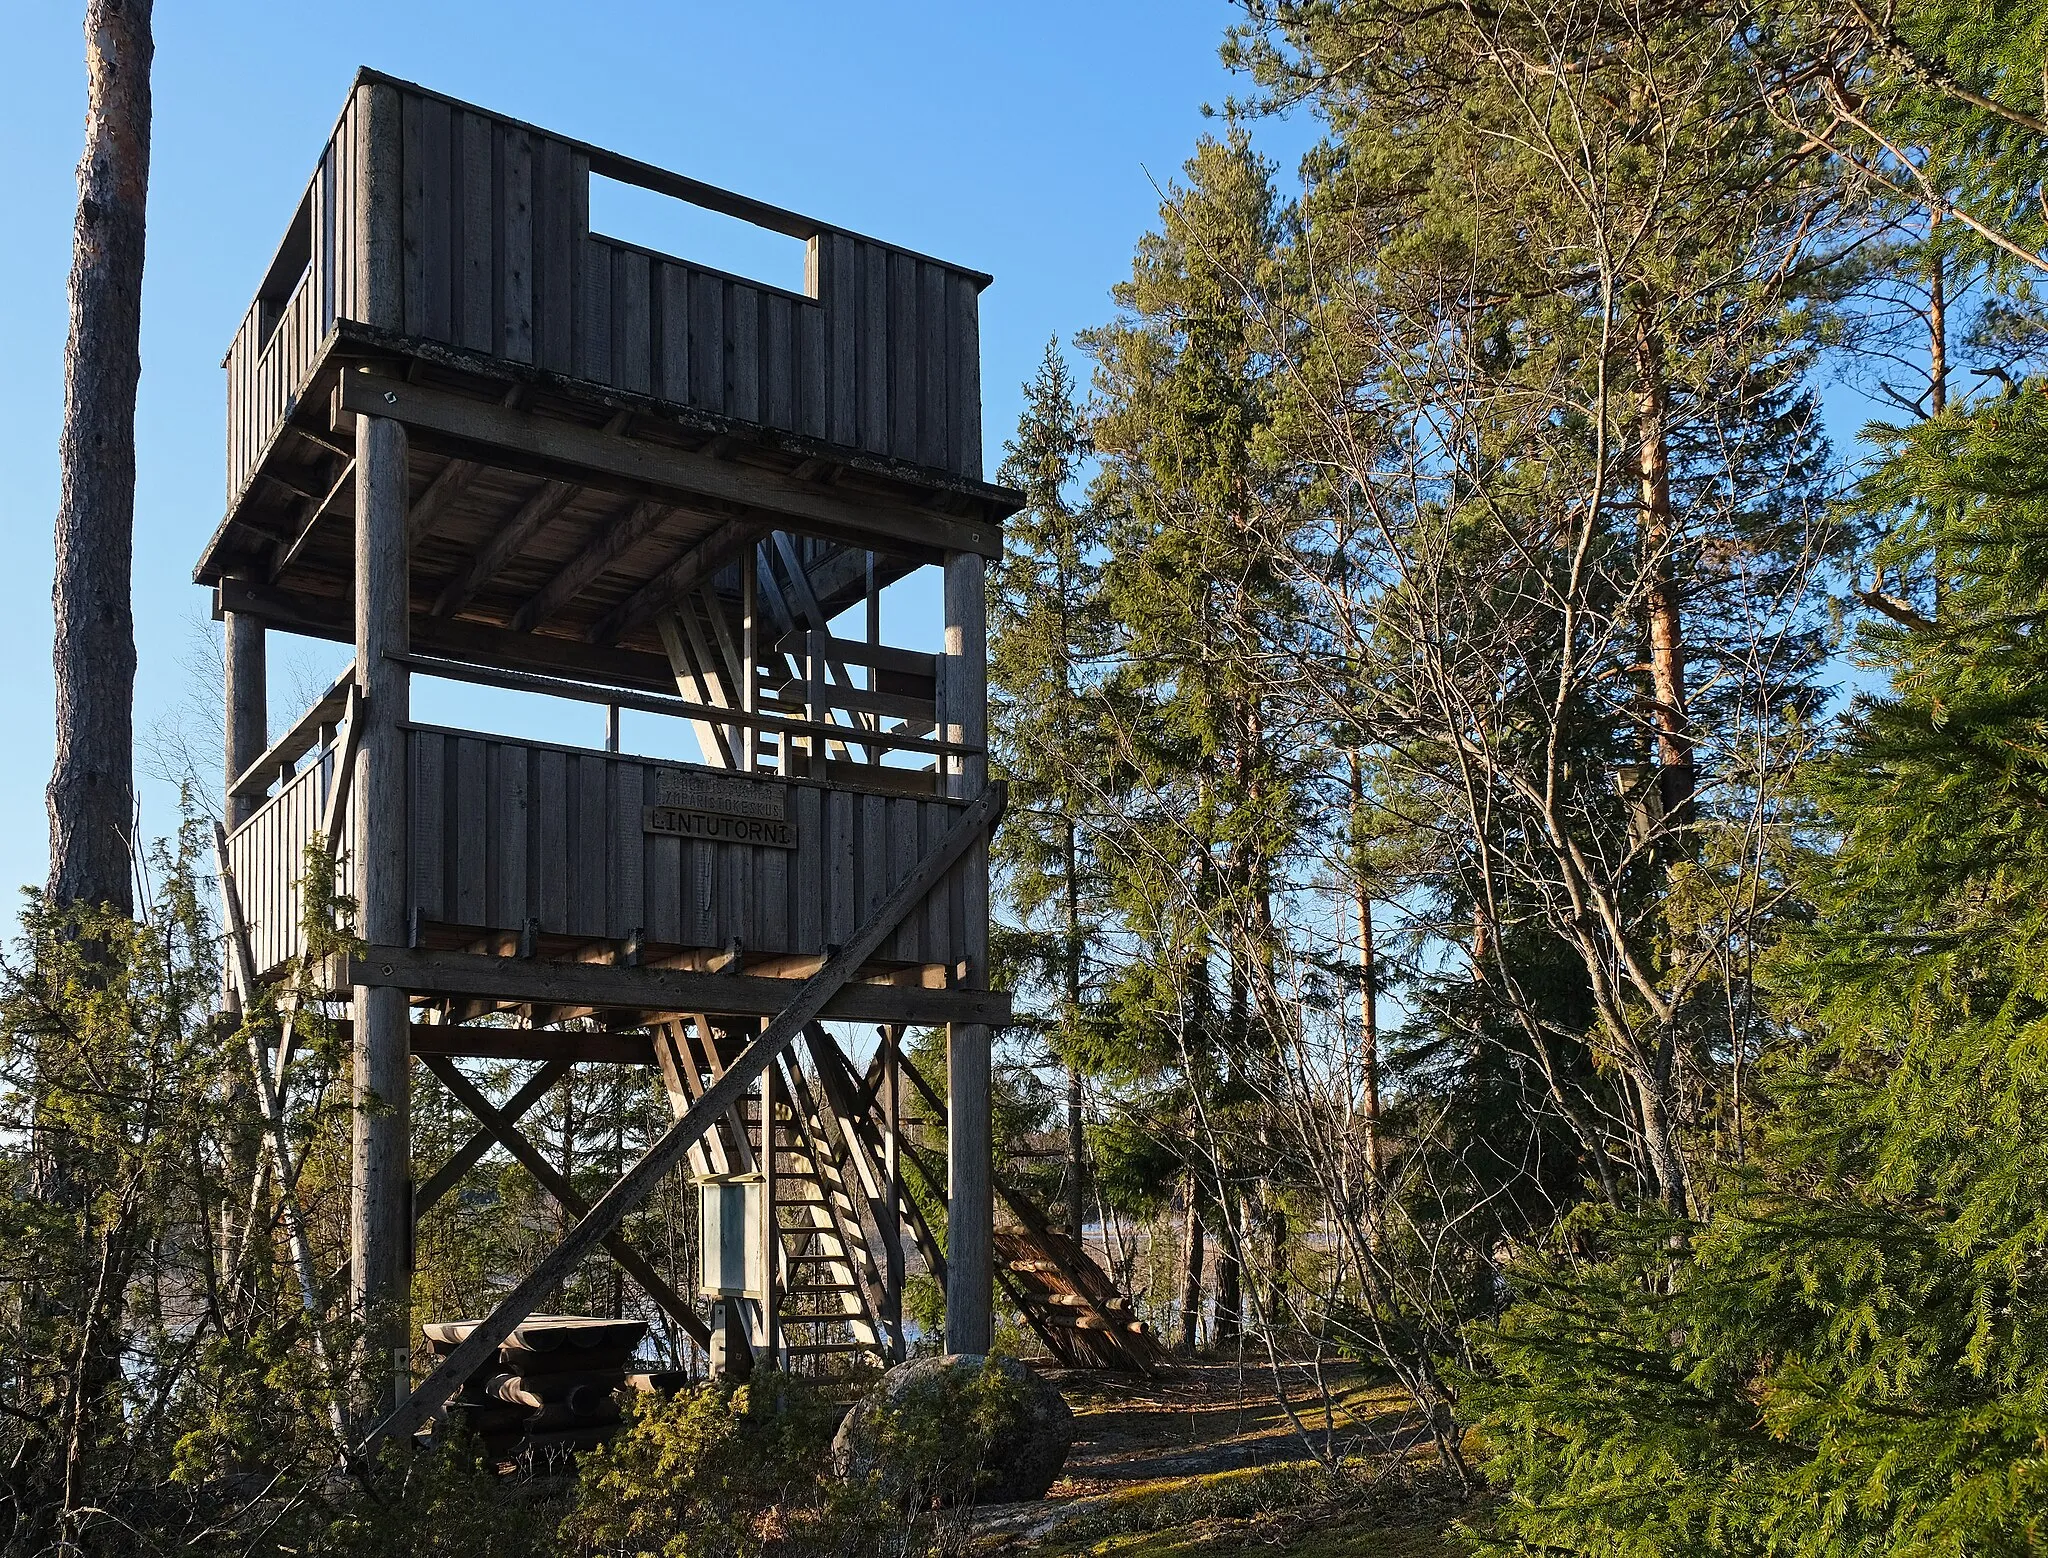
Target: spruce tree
x=1048 y=637
x=1852 y=1357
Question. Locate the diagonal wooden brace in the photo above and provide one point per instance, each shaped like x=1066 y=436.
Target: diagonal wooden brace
x=470 y=1153
x=498 y=1123
x=639 y=1181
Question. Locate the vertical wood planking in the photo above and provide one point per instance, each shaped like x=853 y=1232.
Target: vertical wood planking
x=874 y=346
x=429 y=824
x=839 y=279
x=515 y=245
x=551 y=840
x=707 y=341
x=743 y=351
x=511 y=835
x=771 y=899
x=627 y=850
x=699 y=893
x=476 y=276
x=963 y=394
x=903 y=357
x=672 y=314
x=932 y=412
x=471 y=897
x=413 y=214
x=664 y=887
x=874 y=852
x=555 y=246
x=778 y=361
x=808 y=918
x=632 y=320
x=437 y=211
x=810 y=369
x=841 y=867
x=934 y=819
x=494 y=254
x=594 y=312
x=589 y=844
x=904 y=850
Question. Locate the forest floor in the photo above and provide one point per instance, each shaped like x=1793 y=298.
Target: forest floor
x=1205 y=1463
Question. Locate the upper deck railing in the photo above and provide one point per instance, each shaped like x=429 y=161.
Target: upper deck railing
x=476 y=229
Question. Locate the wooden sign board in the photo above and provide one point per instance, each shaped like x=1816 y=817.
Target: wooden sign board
x=721 y=809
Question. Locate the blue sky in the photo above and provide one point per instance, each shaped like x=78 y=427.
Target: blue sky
x=1024 y=140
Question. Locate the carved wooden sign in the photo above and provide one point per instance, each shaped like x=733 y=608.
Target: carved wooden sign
x=721 y=809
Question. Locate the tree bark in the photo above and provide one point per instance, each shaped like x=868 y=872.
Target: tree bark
x=92 y=783
x=1191 y=1251
x=1077 y=1138
x=1368 y=983
x=1664 y=625
x=1229 y=1296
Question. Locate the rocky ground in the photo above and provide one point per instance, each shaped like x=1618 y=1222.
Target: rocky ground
x=1207 y=1462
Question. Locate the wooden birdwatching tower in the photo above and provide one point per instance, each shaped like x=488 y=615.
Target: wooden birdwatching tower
x=483 y=443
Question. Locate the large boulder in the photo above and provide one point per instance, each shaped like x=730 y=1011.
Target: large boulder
x=958 y=1429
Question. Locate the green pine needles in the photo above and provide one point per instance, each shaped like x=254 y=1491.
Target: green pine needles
x=1850 y=1355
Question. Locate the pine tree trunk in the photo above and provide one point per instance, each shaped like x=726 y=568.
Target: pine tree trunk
x=1077 y=1139
x=1368 y=985
x=1193 y=1240
x=92 y=783
x=1663 y=610
x=1229 y=1295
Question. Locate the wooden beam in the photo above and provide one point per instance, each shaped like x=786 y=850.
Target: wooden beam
x=534 y=514
x=582 y=452
x=296 y=742
x=681 y=708
x=319 y=617
x=465 y=1041
x=470 y=1153
x=612 y=543
x=449 y=483
x=288 y=552
x=631 y=1189
x=697 y=562
x=605 y=988
x=551 y=1179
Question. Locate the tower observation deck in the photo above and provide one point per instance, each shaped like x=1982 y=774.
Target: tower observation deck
x=483 y=443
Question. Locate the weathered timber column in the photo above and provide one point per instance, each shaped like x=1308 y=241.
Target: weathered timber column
x=970 y=1201
x=380 y=1214
x=377 y=233
x=248 y=712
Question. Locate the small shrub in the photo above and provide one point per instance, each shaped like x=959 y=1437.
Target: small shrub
x=724 y=1471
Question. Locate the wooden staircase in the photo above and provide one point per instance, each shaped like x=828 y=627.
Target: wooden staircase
x=829 y=1167
x=829 y=1281
x=827 y=1284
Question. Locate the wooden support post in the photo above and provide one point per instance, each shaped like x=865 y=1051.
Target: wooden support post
x=892 y=1214
x=970 y=1197
x=248 y=712
x=771 y=1221
x=380 y=1213
x=750 y=652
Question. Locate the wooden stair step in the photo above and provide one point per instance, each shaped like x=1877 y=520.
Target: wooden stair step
x=834 y=1348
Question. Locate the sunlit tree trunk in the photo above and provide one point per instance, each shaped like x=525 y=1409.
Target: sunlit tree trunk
x=92 y=784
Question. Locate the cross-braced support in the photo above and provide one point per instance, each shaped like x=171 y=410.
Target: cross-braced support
x=633 y=1188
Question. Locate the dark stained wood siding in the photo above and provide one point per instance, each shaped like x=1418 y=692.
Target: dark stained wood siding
x=496 y=257
x=504 y=831
x=268 y=857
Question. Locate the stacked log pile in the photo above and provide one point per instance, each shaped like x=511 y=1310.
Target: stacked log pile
x=550 y=1391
